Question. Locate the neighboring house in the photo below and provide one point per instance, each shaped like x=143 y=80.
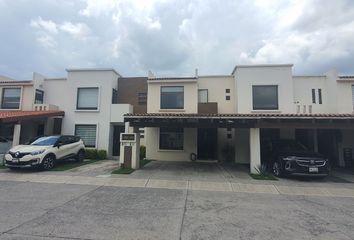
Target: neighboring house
x=215 y=117
x=23 y=112
x=89 y=99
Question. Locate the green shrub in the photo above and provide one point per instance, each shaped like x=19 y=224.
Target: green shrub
x=91 y=154
x=142 y=152
x=102 y=154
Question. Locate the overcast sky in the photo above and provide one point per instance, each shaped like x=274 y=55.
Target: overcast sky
x=173 y=37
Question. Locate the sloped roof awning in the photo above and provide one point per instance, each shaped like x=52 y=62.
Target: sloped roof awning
x=14 y=116
x=252 y=120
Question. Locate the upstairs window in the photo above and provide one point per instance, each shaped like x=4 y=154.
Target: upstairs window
x=172 y=98
x=142 y=98
x=203 y=95
x=265 y=97
x=353 y=96
x=87 y=98
x=313 y=95
x=319 y=96
x=39 y=96
x=11 y=98
x=114 y=96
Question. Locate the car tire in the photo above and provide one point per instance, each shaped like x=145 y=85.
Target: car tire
x=80 y=156
x=277 y=170
x=48 y=162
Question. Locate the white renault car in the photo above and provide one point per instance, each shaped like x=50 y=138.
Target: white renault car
x=45 y=151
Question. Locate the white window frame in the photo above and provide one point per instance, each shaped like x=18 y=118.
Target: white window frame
x=207 y=95
x=91 y=124
x=1 y=97
x=98 y=100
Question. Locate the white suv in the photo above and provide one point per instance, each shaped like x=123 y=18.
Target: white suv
x=44 y=151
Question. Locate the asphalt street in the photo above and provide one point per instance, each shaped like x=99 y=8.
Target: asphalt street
x=31 y=210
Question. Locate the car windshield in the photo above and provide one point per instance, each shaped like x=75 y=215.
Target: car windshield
x=291 y=146
x=45 y=141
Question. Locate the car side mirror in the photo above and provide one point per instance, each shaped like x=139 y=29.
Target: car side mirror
x=59 y=144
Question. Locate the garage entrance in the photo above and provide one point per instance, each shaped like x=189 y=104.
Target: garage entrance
x=207 y=144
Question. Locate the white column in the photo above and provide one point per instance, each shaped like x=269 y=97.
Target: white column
x=16 y=135
x=315 y=140
x=126 y=124
x=136 y=159
x=255 y=150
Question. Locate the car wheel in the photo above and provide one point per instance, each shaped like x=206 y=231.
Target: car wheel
x=277 y=171
x=80 y=156
x=48 y=162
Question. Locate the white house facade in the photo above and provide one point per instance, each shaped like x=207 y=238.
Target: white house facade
x=211 y=117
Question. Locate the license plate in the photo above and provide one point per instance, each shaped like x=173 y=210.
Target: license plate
x=313 y=169
x=15 y=160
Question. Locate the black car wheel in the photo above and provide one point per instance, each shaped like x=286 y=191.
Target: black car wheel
x=80 y=156
x=277 y=171
x=48 y=162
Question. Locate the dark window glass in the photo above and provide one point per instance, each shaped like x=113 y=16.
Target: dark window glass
x=171 y=138
x=172 y=98
x=87 y=98
x=227 y=90
x=45 y=141
x=313 y=96
x=142 y=98
x=11 y=98
x=114 y=96
x=265 y=97
x=39 y=97
x=227 y=98
x=320 y=96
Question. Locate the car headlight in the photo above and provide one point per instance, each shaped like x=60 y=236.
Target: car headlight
x=37 y=152
x=289 y=158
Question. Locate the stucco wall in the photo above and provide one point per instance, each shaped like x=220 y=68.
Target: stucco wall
x=63 y=93
x=344 y=98
x=190 y=96
x=303 y=86
x=153 y=151
x=281 y=76
x=217 y=86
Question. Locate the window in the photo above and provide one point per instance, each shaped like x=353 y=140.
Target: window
x=114 y=96
x=353 y=95
x=142 y=98
x=227 y=98
x=313 y=96
x=87 y=98
x=320 y=96
x=227 y=90
x=38 y=99
x=87 y=133
x=172 y=98
x=203 y=95
x=11 y=98
x=171 y=138
x=265 y=97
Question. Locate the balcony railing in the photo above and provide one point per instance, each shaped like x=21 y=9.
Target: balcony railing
x=208 y=108
x=44 y=107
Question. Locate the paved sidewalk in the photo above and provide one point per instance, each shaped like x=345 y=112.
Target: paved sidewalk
x=182 y=185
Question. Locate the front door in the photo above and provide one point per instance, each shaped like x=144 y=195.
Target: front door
x=116 y=139
x=207 y=143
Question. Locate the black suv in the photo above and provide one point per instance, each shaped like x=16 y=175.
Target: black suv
x=289 y=157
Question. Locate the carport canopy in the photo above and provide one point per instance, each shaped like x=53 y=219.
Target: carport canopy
x=254 y=120
x=17 y=116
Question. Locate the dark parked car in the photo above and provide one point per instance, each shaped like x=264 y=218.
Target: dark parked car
x=289 y=157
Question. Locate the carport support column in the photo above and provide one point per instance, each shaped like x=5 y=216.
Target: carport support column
x=136 y=159
x=255 y=150
x=16 y=135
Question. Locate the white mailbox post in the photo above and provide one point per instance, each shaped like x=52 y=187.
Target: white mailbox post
x=129 y=150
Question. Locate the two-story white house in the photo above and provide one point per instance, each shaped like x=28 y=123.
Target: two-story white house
x=94 y=102
x=226 y=117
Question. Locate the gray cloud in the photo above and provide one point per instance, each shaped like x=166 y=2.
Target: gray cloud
x=174 y=37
